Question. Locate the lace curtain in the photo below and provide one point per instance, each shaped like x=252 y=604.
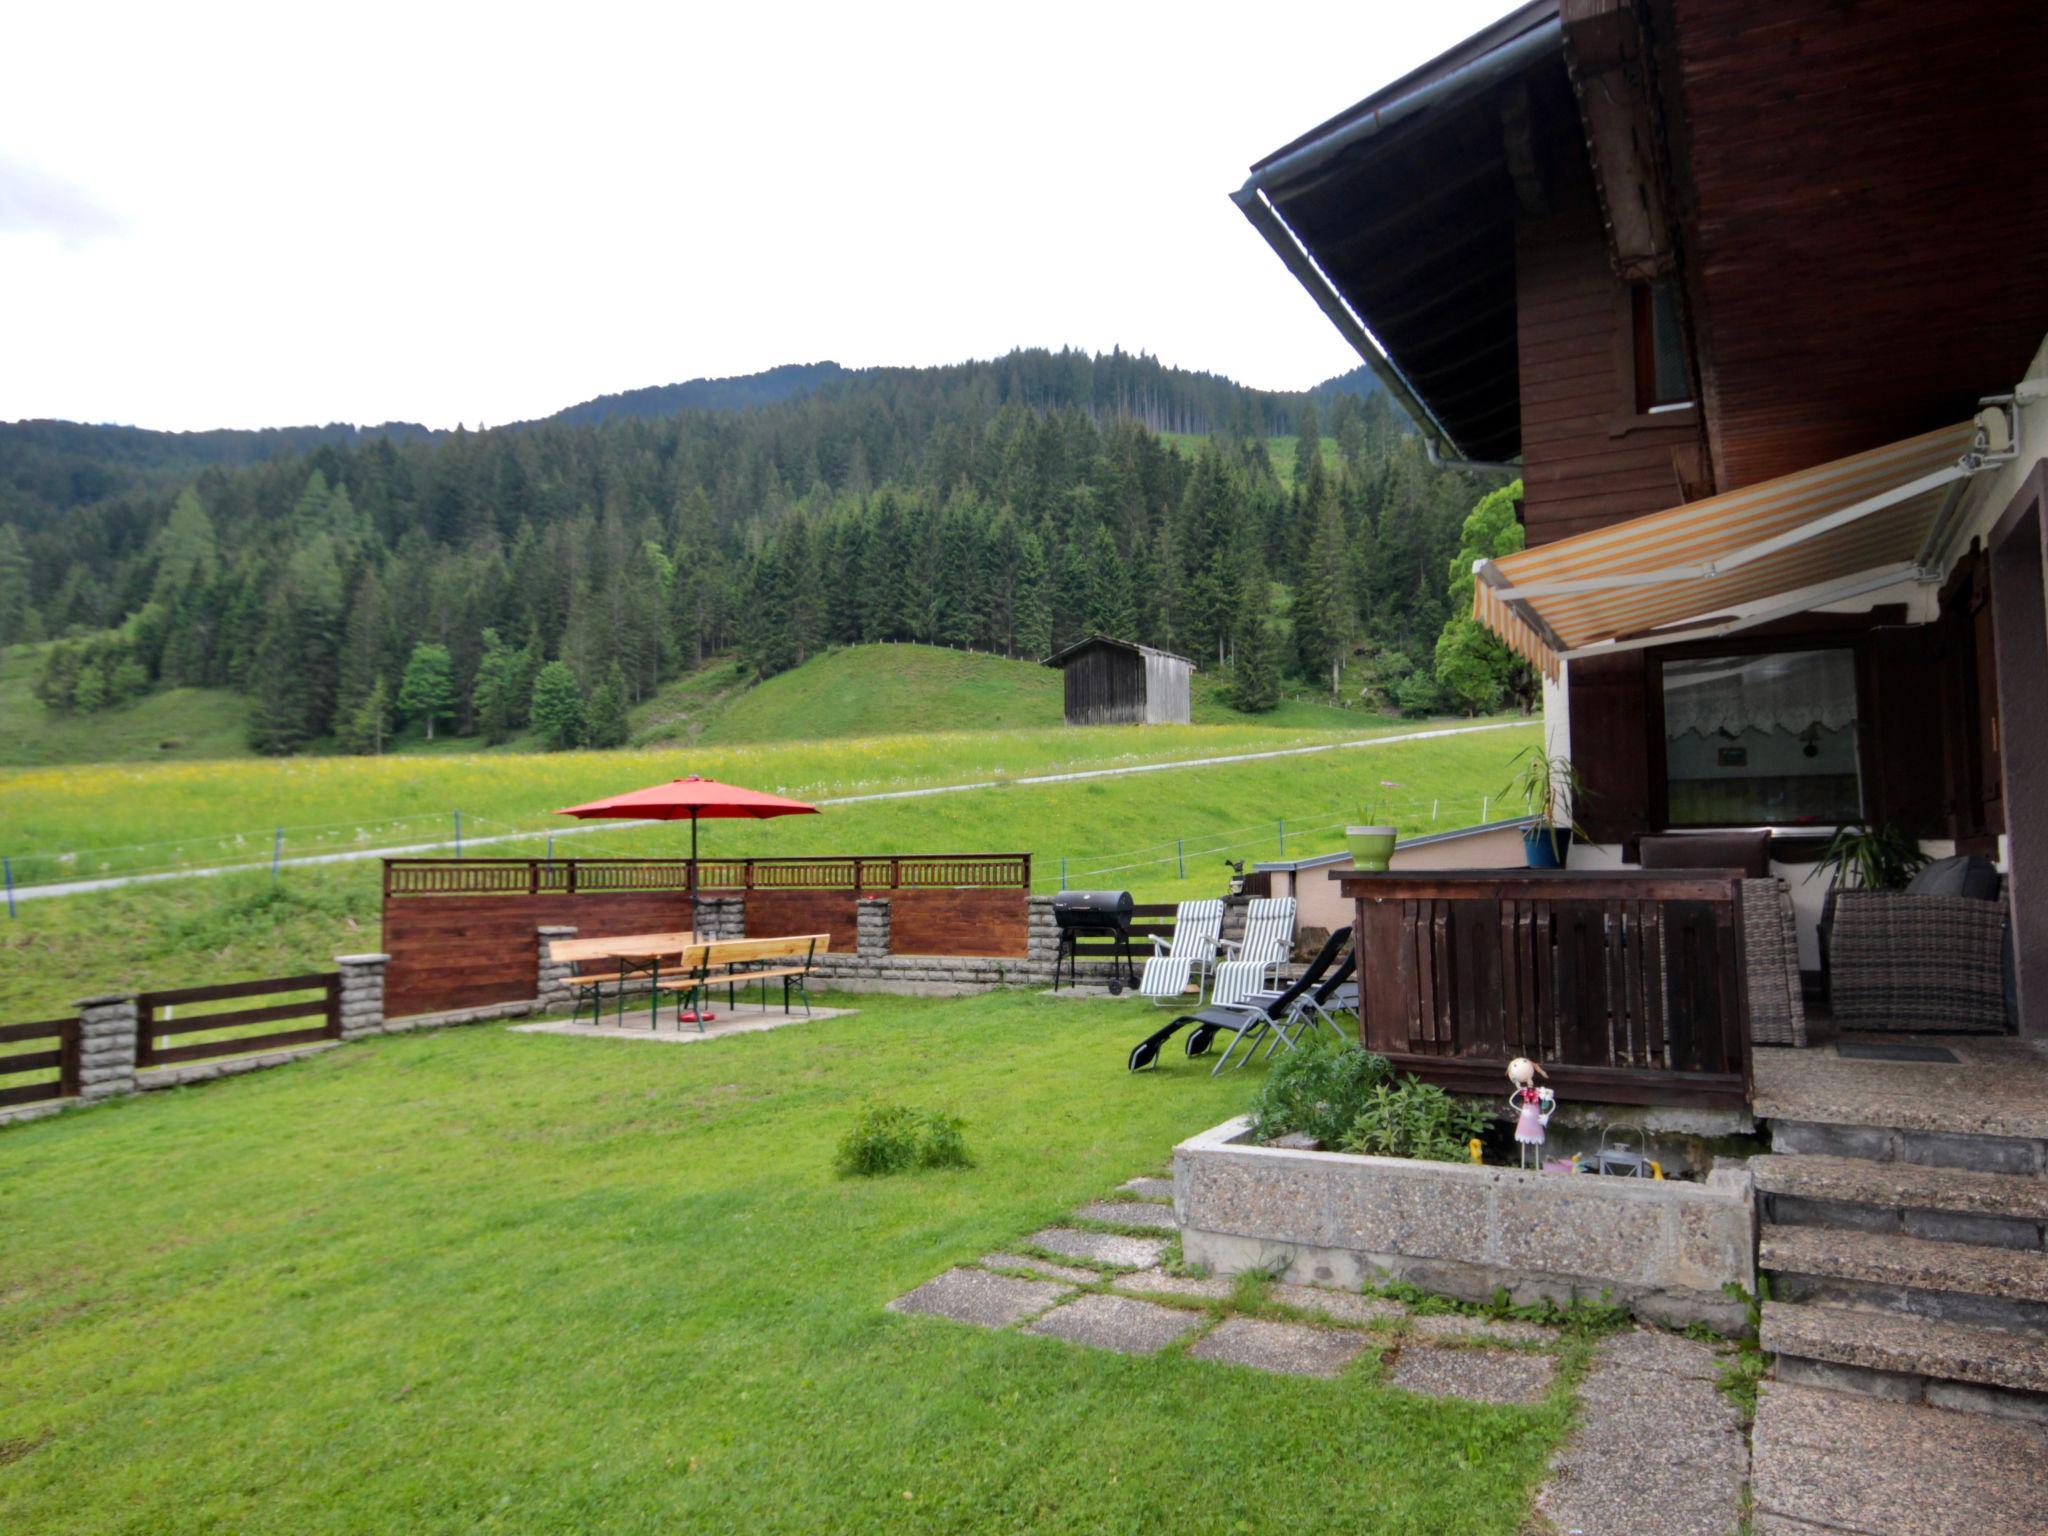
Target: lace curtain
x=1789 y=691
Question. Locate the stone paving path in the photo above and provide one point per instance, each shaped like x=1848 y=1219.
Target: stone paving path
x=1841 y=1464
x=1658 y=1448
x=1104 y=1301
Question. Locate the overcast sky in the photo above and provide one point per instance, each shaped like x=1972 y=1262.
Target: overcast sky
x=212 y=216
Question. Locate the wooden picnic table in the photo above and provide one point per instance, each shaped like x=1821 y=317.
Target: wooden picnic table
x=689 y=960
x=634 y=954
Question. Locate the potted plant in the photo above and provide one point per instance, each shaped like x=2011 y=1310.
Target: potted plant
x=1550 y=787
x=1372 y=842
x=1862 y=858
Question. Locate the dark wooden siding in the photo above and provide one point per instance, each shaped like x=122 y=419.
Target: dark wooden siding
x=1105 y=686
x=1867 y=240
x=1588 y=458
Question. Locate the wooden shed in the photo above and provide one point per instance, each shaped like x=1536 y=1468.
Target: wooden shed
x=1114 y=682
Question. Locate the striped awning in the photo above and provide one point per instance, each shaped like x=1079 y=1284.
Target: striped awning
x=1742 y=558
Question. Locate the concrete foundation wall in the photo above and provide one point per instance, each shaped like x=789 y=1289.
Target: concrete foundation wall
x=1661 y=1248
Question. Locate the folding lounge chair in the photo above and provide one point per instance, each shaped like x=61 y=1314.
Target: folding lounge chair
x=1337 y=991
x=1256 y=957
x=1196 y=929
x=1246 y=1020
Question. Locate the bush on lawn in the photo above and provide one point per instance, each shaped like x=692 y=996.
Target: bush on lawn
x=891 y=1138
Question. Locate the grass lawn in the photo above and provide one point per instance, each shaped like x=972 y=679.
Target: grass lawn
x=482 y=1281
x=1117 y=832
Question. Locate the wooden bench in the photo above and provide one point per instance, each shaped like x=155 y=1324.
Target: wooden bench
x=734 y=963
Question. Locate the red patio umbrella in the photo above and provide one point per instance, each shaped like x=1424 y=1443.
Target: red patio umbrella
x=695 y=798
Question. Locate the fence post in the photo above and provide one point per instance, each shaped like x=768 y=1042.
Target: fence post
x=551 y=985
x=106 y=1046
x=1432 y=812
x=358 y=996
x=1283 y=837
x=1063 y=872
x=1180 y=853
x=8 y=866
x=1485 y=802
x=458 y=834
x=276 y=851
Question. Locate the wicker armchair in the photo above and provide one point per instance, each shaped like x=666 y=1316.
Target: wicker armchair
x=1770 y=961
x=1900 y=962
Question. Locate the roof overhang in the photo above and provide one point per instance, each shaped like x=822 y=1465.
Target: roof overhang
x=1397 y=217
x=1709 y=568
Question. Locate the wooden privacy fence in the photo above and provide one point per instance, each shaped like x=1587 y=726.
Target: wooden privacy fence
x=162 y=1016
x=462 y=933
x=53 y=1057
x=1627 y=987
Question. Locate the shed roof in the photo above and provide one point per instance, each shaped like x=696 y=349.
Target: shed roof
x=1066 y=654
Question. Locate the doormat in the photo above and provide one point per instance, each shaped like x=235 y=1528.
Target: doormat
x=1879 y=1050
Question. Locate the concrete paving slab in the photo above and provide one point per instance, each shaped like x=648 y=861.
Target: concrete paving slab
x=741 y=1019
x=1159 y=1283
x=1045 y=1267
x=1150 y=1189
x=1657 y=1449
x=1101 y=1247
x=1129 y=1213
x=1479 y=1375
x=1345 y=1306
x=1843 y=1463
x=1116 y=1323
x=975 y=1296
x=1455 y=1325
x=1287 y=1349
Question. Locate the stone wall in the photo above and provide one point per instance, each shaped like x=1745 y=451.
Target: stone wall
x=1662 y=1248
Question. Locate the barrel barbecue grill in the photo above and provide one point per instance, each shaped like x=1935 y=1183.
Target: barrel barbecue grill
x=1093 y=915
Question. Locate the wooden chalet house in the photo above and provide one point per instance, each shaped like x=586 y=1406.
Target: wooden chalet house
x=1752 y=298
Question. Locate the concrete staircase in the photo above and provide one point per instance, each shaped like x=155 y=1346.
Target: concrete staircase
x=1908 y=1265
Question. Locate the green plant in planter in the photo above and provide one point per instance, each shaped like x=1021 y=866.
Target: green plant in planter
x=1317 y=1089
x=1551 y=789
x=1866 y=858
x=1412 y=1118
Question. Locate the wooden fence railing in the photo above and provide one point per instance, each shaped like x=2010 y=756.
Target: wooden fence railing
x=1627 y=987
x=570 y=877
x=161 y=1016
x=56 y=1052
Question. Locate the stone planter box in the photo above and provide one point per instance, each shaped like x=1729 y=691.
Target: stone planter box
x=1662 y=1248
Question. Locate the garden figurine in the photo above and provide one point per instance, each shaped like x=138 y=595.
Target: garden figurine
x=1533 y=1107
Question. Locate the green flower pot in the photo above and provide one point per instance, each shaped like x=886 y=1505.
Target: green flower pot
x=1371 y=847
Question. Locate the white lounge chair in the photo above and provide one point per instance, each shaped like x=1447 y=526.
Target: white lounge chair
x=1197 y=927
x=1255 y=959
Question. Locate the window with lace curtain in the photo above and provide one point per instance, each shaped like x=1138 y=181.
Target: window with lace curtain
x=1762 y=739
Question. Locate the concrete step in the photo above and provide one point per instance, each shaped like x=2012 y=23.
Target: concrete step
x=1953 y=1205
x=1909 y=1359
x=2025 y=1155
x=1967 y=1283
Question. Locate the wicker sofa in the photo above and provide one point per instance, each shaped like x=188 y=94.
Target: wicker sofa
x=1899 y=961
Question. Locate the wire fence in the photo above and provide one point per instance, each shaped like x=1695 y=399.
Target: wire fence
x=288 y=847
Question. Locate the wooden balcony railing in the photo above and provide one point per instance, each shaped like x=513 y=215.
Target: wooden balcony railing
x=569 y=877
x=1626 y=986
